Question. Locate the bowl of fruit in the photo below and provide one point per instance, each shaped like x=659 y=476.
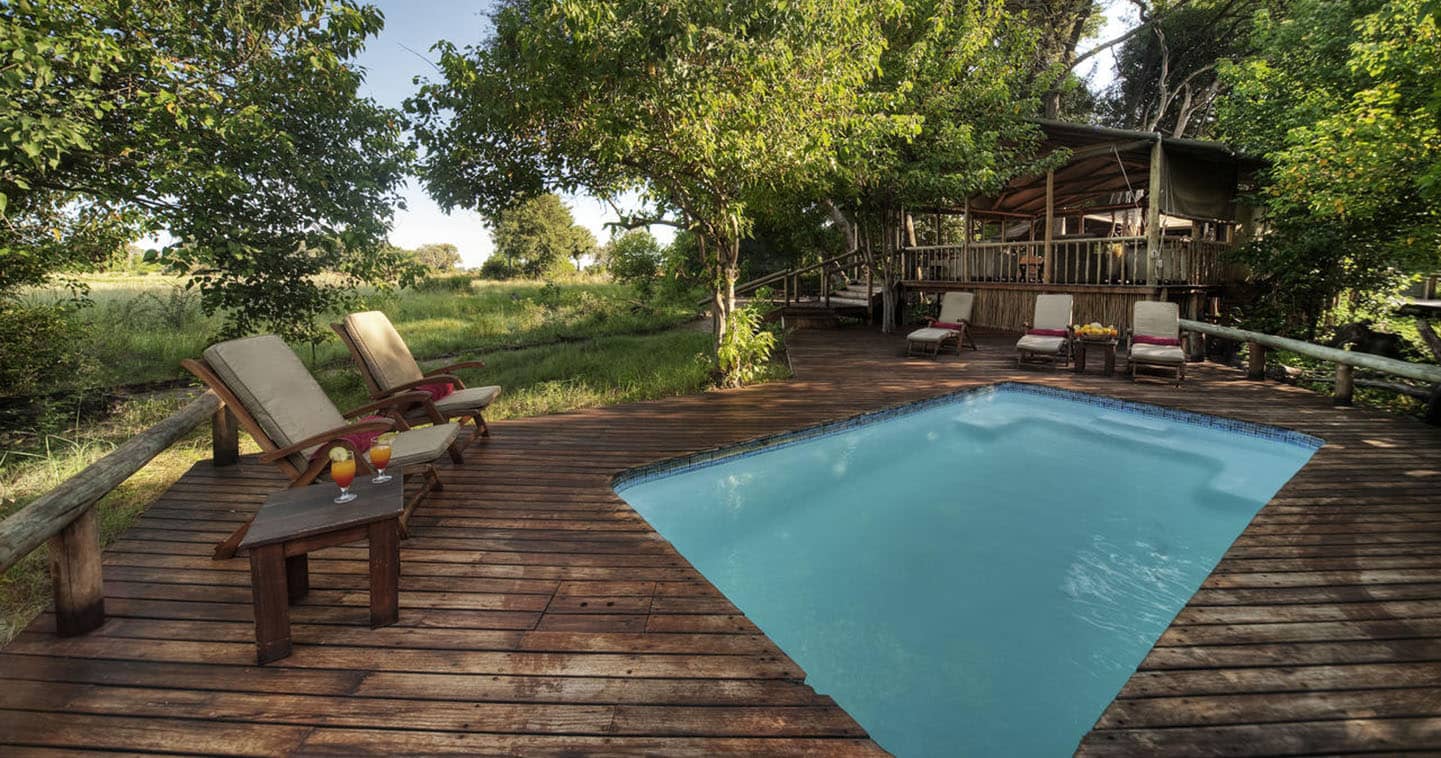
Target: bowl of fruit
x=1095 y=331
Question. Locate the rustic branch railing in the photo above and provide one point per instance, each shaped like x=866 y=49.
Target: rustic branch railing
x=65 y=516
x=1346 y=361
x=790 y=281
x=1101 y=261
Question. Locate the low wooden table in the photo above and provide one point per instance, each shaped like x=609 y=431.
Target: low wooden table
x=294 y=522
x=1107 y=346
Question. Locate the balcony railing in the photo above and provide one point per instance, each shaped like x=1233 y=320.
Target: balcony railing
x=1111 y=261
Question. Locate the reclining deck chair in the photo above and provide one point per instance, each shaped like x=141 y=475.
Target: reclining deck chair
x=1156 y=339
x=386 y=364
x=951 y=328
x=278 y=402
x=1048 y=335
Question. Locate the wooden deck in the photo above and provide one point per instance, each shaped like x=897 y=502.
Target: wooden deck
x=540 y=614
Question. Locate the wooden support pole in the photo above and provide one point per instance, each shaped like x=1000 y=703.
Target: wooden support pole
x=75 y=569
x=1345 y=384
x=1050 y=224
x=966 y=241
x=1256 y=368
x=224 y=438
x=1153 y=214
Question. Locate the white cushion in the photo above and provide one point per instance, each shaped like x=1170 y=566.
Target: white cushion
x=957 y=306
x=1035 y=343
x=422 y=445
x=275 y=387
x=386 y=356
x=468 y=399
x=1168 y=354
x=1156 y=319
x=1053 y=311
x=929 y=334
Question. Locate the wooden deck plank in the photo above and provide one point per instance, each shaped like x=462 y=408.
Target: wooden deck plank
x=540 y=614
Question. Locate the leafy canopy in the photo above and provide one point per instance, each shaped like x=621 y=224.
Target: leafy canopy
x=1344 y=100
x=234 y=125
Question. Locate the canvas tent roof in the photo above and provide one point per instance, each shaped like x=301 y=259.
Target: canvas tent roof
x=1111 y=167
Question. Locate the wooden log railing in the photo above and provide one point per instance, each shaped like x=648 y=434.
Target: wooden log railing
x=64 y=518
x=1346 y=361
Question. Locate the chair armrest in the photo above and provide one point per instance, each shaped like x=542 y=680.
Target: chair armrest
x=332 y=438
x=427 y=379
x=399 y=402
x=452 y=368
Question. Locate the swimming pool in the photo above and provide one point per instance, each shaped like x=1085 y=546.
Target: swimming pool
x=975 y=575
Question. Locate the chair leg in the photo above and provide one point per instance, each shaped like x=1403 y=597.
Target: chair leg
x=226 y=550
x=481 y=426
x=454 y=452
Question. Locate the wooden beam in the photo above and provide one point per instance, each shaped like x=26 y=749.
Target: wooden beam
x=75 y=572
x=48 y=515
x=1420 y=372
x=1050 y=222
x=1255 y=361
x=1345 y=384
x=224 y=438
x=1153 y=214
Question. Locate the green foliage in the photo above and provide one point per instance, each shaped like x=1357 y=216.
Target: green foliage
x=39 y=348
x=537 y=238
x=634 y=258
x=744 y=352
x=437 y=256
x=235 y=127
x=1344 y=100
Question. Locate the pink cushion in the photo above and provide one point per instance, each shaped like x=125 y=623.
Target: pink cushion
x=1146 y=339
x=437 y=390
x=946 y=325
x=1048 y=332
x=361 y=440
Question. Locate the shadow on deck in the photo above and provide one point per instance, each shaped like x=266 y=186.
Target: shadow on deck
x=539 y=613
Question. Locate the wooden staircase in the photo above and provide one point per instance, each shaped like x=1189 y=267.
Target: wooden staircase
x=811 y=295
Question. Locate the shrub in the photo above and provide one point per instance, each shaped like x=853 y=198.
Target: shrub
x=38 y=348
x=744 y=352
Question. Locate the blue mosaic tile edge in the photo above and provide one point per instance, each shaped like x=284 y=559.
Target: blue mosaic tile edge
x=713 y=456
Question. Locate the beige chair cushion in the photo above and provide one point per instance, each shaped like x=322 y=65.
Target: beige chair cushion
x=1155 y=319
x=468 y=399
x=386 y=355
x=275 y=387
x=930 y=335
x=422 y=445
x=1167 y=354
x=1053 y=312
x=1034 y=343
x=957 y=306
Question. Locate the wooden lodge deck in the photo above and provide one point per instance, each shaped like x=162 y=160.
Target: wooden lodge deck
x=540 y=614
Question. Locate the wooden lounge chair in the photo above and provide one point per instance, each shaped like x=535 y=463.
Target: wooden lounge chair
x=950 y=329
x=386 y=365
x=1048 y=335
x=278 y=402
x=1155 y=339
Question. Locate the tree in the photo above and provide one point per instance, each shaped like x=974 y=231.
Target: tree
x=707 y=108
x=235 y=127
x=1344 y=102
x=437 y=256
x=1167 y=79
x=634 y=258
x=961 y=69
x=537 y=238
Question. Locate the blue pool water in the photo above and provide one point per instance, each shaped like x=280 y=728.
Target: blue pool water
x=979 y=577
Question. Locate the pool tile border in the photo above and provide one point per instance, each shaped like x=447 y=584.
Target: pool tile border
x=714 y=456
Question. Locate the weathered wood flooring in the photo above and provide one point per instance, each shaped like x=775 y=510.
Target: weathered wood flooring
x=540 y=614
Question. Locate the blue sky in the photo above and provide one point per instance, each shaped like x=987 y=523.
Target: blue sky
x=402 y=52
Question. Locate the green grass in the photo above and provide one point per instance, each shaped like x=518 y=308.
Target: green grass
x=567 y=347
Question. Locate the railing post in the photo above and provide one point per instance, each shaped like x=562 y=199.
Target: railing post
x=75 y=570
x=1345 y=384
x=1256 y=369
x=224 y=438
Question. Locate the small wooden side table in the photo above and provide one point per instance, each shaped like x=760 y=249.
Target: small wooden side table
x=1108 y=348
x=294 y=522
